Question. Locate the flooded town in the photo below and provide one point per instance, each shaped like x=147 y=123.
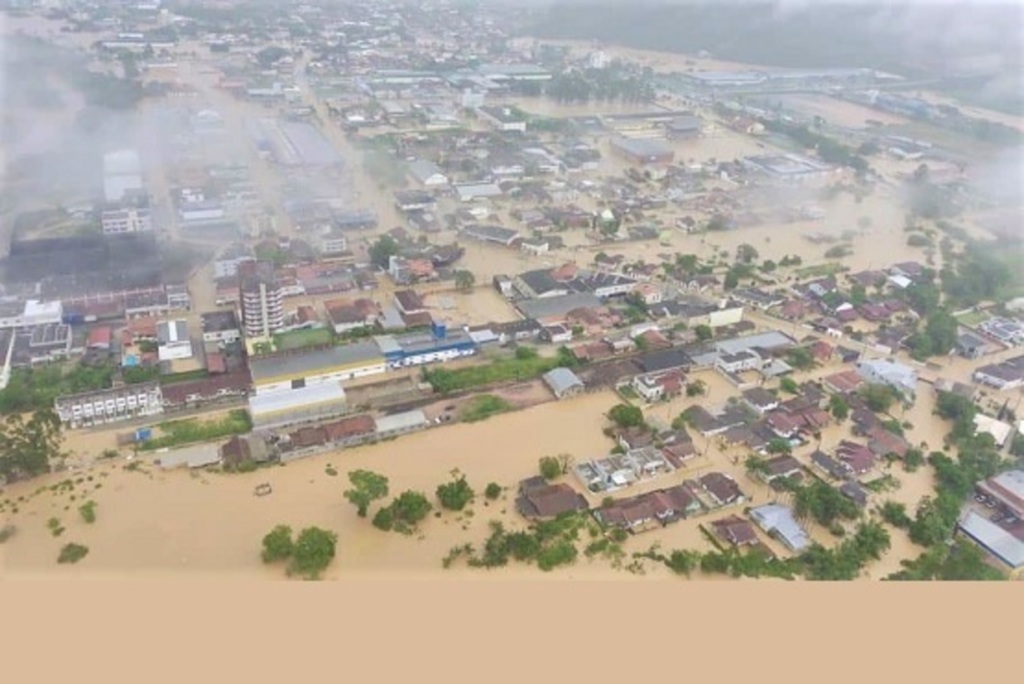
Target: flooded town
x=375 y=289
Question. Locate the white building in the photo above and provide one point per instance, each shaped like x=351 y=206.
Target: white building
x=504 y=119
x=110 y=405
x=427 y=173
x=127 y=220
x=173 y=341
x=897 y=375
x=226 y=264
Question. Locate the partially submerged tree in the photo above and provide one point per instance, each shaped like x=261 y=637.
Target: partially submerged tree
x=367 y=487
x=456 y=494
x=277 y=544
x=313 y=552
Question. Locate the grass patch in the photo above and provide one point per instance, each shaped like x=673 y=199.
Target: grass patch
x=72 y=553
x=299 y=339
x=444 y=380
x=186 y=376
x=972 y=319
x=628 y=393
x=820 y=270
x=483 y=407
x=180 y=432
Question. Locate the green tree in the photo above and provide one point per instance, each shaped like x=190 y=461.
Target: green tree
x=550 y=468
x=464 y=280
x=858 y=295
x=838 y=407
x=626 y=416
x=871 y=540
x=456 y=494
x=408 y=510
x=878 y=397
x=789 y=386
x=912 y=460
x=525 y=353
x=313 y=552
x=732 y=280
x=277 y=544
x=382 y=251
x=824 y=503
x=493 y=490
x=367 y=487
x=779 y=446
x=756 y=466
x=746 y=254
x=703 y=332
x=696 y=388
x=800 y=358
x=895 y=514
x=29 y=448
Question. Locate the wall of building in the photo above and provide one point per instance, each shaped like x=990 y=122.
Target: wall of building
x=335 y=375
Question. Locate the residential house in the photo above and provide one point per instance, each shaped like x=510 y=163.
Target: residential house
x=735 y=530
x=844 y=382
x=834 y=468
x=539 y=499
x=781 y=466
x=739 y=362
x=409 y=302
x=783 y=425
x=760 y=399
x=659 y=385
x=853 y=491
x=970 y=346
x=346 y=315
x=857 y=457
x=883 y=443
x=1006 y=375
x=722 y=489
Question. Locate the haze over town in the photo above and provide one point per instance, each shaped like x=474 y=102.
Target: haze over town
x=558 y=289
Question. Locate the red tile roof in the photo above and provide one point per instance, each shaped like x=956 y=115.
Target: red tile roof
x=99 y=337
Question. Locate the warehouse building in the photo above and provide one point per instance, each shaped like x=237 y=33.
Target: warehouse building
x=643 y=151
x=304 y=368
x=417 y=349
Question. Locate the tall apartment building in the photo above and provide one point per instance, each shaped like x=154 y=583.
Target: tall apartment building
x=262 y=299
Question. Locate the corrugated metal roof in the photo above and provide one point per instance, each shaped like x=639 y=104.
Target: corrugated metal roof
x=401 y=421
x=562 y=379
x=998 y=541
x=293 y=400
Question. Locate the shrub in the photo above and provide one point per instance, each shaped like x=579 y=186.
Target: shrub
x=88 y=511
x=493 y=491
x=455 y=495
x=72 y=553
x=277 y=544
x=550 y=468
